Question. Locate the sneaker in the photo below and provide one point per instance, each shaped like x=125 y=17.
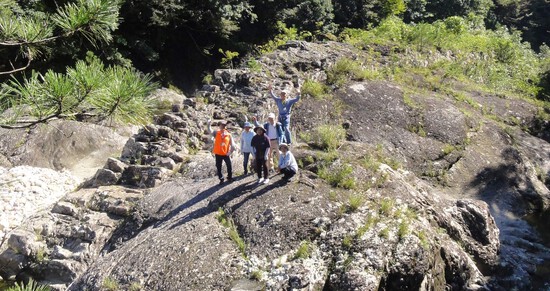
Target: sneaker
x=266 y=181
x=229 y=180
x=221 y=180
x=261 y=180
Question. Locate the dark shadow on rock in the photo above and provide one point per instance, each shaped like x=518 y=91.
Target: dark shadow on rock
x=499 y=183
x=511 y=196
x=259 y=193
x=189 y=203
x=223 y=199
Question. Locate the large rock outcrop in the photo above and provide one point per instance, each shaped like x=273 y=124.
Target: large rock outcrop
x=438 y=192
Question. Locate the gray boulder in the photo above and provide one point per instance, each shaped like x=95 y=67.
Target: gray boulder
x=105 y=177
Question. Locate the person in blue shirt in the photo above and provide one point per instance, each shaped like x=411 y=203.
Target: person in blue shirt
x=285 y=107
x=246 y=147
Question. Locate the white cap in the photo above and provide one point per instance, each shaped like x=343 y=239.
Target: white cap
x=271 y=115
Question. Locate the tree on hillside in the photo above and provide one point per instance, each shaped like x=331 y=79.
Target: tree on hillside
x=177 y=40
x=88 y=89
x=531 y=17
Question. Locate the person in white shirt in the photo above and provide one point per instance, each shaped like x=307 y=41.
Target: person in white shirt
x=246 y=147
x=287 y=163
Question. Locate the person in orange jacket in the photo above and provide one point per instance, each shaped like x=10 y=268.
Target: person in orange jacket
x=224 y=146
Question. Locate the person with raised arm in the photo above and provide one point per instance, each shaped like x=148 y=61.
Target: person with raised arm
x=285 y=107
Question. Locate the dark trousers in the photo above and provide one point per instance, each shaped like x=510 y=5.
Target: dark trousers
x=246 y=157
x=288 y=173
x=227 y=160
x=261 y=165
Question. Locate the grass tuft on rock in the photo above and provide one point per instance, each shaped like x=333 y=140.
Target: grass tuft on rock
x=304 y=250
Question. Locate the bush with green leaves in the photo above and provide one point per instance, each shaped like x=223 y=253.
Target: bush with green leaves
x=315 y=89
x=304 y=250
x=338 y=175
x=461 y=48
x=88 y=90
x=343 y=70
x=30 y=286
x=328 y=137
x=227 y=222
x=110 y=284
x=285 y=34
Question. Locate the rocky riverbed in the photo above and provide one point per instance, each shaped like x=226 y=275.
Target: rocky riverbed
x=25 y=190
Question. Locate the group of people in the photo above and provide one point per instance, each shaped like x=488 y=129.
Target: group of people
x=264 y=143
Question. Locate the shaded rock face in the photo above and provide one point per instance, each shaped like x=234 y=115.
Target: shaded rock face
x=78 y=147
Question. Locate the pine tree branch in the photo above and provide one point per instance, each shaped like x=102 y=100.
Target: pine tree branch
x=28 y=123
x=34 y=42
x=29 y=60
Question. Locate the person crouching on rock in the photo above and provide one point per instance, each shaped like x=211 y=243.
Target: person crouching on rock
x=260 y=151
x=287 y=163
x=223 y=147
x=246 y=145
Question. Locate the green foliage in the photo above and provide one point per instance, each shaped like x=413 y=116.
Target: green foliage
x=372 y=160
x=94 y=19
x=386 y=207
x=447 y=149
x=254 y=65
x=371 y=220
x=347 y=69
x=227 y=222
x=328 y=137
x=355 y=201
x=394 y=7
x=315 y=89
x=228 y=56
x=135 y=286
x=110 y=284
x=304 y=250
x=207 y=79
x=423 y=239
x=285 y=34
x=28 y=35
x=403 y=230
x=339 y=175
x=41 y=255
x=104 y=92
x=314 y=17
x=497 y=60
x=30 y=286
x=257 y=275
x=384 y=233
x=347 y=241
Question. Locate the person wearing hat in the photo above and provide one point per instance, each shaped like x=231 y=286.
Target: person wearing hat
x=285 y=106
x=246 y=145
x=260 y=150
x=275 y=133
x=287 y=163
x=223 y=148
